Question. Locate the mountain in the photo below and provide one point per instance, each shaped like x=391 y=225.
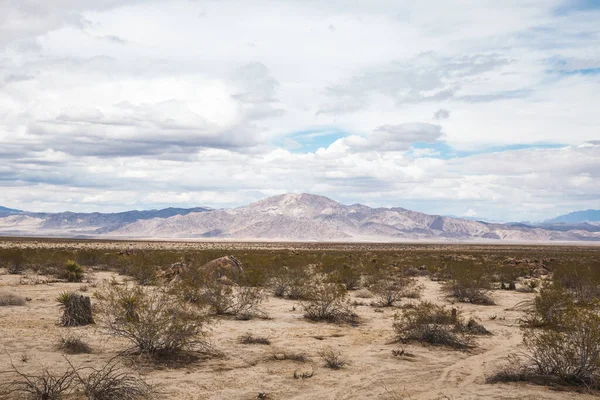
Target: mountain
x=71 y=224
x=293 y=217
x=576 y=217
x=311 y=217
x=7 y=211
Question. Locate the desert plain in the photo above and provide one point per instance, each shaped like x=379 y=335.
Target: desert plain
x=377 y=365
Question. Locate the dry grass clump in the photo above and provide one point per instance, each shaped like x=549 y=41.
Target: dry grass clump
x=112 y=383
x=433 y=324
x=328 y=302
x=76 y=309
x=11 y=299
x=331 y=358
x=156 y=322
x=109 y=382
x=72 y=344
x=249 y=338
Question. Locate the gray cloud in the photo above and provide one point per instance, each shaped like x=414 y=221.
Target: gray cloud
x=441 y=114
x=427 y=77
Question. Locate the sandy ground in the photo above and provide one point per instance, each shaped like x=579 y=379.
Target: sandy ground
x=247 y=370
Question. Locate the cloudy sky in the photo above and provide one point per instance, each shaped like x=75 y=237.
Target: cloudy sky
x=479 y=108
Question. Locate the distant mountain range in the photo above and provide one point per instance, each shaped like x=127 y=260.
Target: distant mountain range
x=291 y=217
x=576 y=217
x=6 y=211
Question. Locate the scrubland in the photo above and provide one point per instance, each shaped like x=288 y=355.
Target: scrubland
x=297 y=321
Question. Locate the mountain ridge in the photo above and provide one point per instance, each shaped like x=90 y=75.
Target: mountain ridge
x=576 y=217
x=291 y=216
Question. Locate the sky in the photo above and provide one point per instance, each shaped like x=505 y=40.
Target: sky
x=481 y=108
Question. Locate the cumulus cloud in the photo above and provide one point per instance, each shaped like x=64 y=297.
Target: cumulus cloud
x=390 y=138
x=111 y=104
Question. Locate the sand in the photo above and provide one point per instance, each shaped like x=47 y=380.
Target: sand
x=244 y=371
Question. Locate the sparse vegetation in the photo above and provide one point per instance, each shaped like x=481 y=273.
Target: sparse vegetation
x=432 y=324
x=111 y=382
x=11 y=299
x=469 y=282
x=299 y=272
x=73 y=344
x=76 y=309
x=328 y=302
x=332 y=358
x=249 y=338
x=72 y=272
x=156 y=322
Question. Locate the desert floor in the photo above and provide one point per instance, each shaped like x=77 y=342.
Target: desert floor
x=244 y=371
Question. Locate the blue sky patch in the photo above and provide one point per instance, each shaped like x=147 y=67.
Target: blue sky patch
x=444 y=151
x=311 y=140
x=570 y=6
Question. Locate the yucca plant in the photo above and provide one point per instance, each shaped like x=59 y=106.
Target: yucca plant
x=77 y=309
x=72 y=271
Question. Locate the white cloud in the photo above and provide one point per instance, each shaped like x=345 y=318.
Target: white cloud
x=113 y=105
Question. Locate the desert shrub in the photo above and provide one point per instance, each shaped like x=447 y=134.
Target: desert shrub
x=475 y=328
x=76 y=309
x=156 y=322
x=43 y=385
x=112 y=383
x=331 y=358
x=582 y=280
x=11 y=299
x=550 y=307
x=144 y=273
x=13 y=260
x=222 y=299
x=433 y=324
x=107 y=383
x=328 y=302
x=469 y=283
x=71 y=271
x=388 y=293
x=572 y=353
x=72 y=344
x=249 y=338
x=347 y=275
x=569 y=356
x=240 y=299
x=292 y=283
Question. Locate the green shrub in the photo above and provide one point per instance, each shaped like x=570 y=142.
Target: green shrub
x=72 y=272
